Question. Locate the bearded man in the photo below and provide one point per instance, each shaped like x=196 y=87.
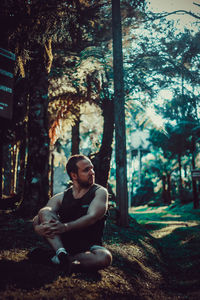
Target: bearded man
x=73 y=221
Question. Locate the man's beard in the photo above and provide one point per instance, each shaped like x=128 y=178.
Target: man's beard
x=85 y=184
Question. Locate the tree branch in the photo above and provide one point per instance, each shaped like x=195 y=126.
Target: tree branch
x=155 y=16
x=196 y=4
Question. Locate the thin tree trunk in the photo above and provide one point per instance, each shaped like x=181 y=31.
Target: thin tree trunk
x=168 y=189
x=164 y=191
x=119 y=109
x=7 y=169
x=180 y=178
x=22 y=163
x=76 y=136
x=140 y=166
x=16 y=167
x=12 y=169
x=52 y=175
x=1 y=168
x=14 y=163
x=194 y=183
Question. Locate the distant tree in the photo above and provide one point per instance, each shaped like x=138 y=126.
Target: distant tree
x=164 y=164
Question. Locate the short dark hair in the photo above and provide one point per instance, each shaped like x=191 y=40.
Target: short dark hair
x=71 y=165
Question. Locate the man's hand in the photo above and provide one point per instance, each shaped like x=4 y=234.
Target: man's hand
x=50 y=229
x=44 y=229
x=57 y=227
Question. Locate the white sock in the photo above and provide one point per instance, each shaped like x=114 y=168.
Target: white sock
x=61 y=250
x=55 y=260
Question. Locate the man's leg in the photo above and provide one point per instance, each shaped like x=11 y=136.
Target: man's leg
x=95 y=259
x=61 y=256
x=46 y=216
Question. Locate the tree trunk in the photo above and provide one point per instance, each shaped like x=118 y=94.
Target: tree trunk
x=140 y=166
x=52 y=175
x=102 y=159
x=180 y=178
x=164 y=191
x=76 y=136
x=1 y=168
x=22 y=163
x=7 y=169
x=37 y=182
x=194 y=183
x=168 y=189
x=14 y=164
x=120 y=128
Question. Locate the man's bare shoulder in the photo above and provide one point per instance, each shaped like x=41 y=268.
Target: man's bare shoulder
x=102 y=191
x=57 y=197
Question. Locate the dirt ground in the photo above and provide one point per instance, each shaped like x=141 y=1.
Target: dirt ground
x=156 y=258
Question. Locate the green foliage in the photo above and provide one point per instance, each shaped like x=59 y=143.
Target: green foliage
x=144 y=193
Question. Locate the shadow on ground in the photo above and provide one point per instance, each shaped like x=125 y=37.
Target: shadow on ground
x=136 y=272
x=25 y=275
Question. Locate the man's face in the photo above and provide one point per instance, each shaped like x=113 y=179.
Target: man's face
x=85 y=175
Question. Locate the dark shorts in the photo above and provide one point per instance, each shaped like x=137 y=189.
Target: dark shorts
x=75 y=249
x=78 y=241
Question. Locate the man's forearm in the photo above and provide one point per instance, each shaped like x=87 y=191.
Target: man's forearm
x=82 y=222
x=36 y=225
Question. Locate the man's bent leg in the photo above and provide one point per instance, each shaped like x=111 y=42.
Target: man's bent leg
x=95 y=259
x=45 y=216
x=61 y=256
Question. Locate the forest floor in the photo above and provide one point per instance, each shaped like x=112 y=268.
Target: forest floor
x=177 y=229
x=155 y=258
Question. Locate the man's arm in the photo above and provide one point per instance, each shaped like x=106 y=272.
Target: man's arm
x=54 y=203
x=96 y=211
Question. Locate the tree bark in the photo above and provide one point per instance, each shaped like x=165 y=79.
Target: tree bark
x=22 y=164
x=14 y=164
x=1 y=168
x=52 y=175
x=168 y=189
x=164 y=191
x=120 y=128
x=7 y=168
x=140 y=166
x=180 y=178
x=102 y=159
x=76 y=136
x=194 y=183
x=37 y=181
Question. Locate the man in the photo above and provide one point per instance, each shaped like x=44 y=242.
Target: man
x=73 y=221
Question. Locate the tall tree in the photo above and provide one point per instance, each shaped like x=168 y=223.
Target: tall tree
x=119 y=110
x=37 y=182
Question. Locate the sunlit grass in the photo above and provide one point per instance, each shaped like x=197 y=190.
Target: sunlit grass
x=163 y=220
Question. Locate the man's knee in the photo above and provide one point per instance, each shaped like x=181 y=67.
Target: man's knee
x=104 y=258
x=107 y=258
x=45 y=214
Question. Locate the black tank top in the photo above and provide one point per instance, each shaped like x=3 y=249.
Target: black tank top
x=71 y=209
